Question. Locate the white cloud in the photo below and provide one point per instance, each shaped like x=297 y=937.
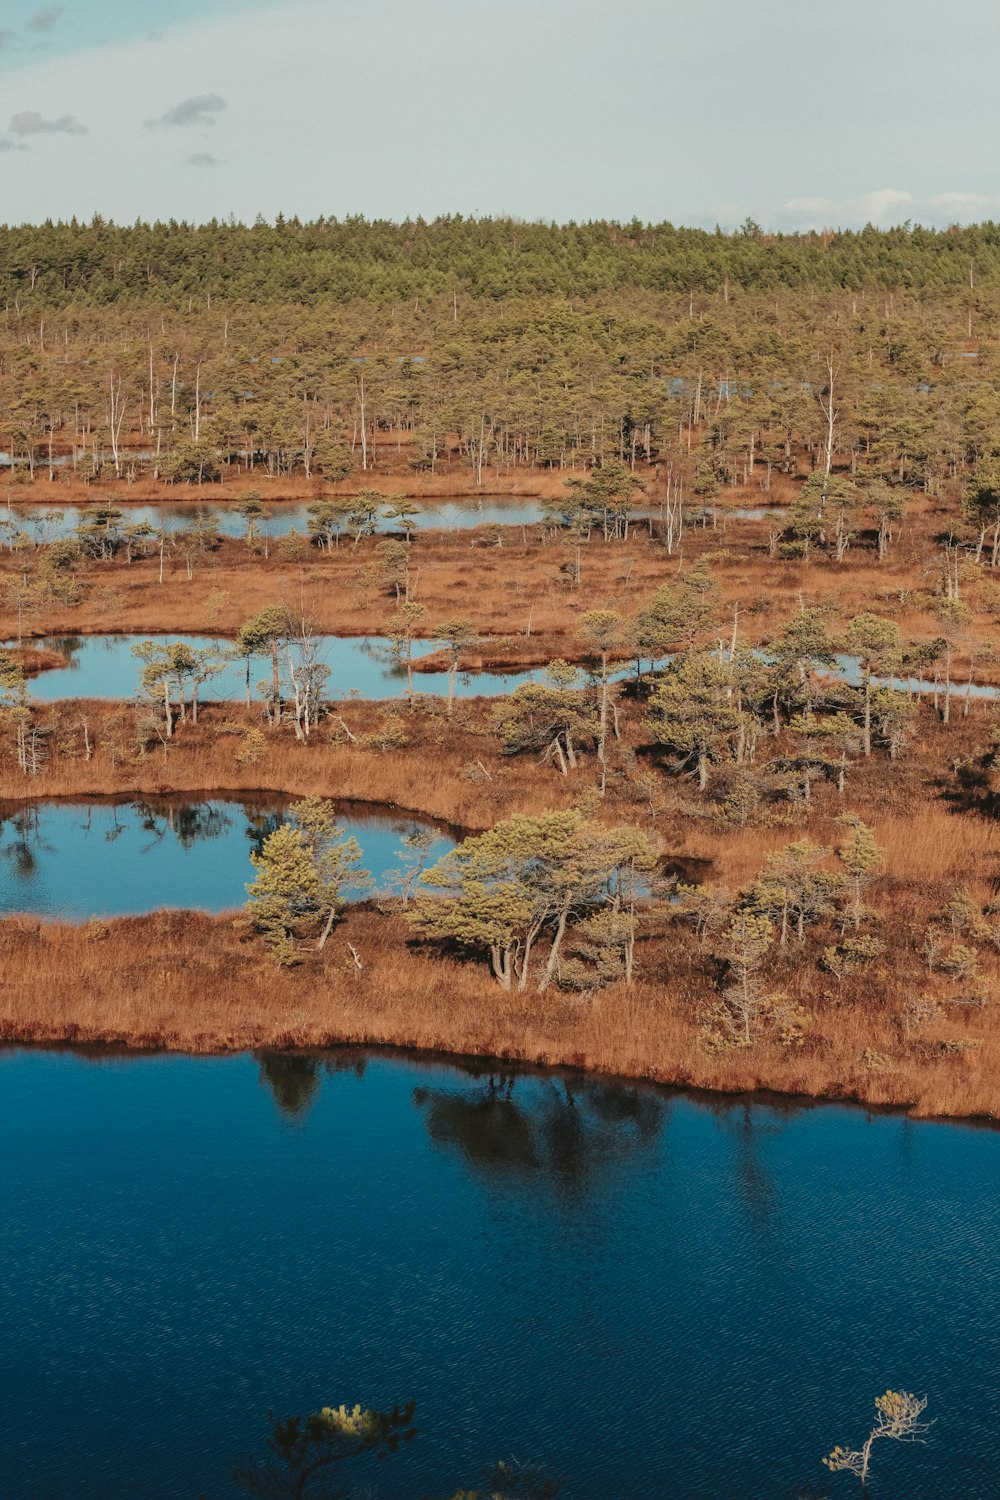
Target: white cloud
x=884 y=203
x=964 y=204
x=885 y=207
x=202 y=159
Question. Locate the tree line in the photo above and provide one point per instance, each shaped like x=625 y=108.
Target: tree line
x=125 y=361
x=101 y=262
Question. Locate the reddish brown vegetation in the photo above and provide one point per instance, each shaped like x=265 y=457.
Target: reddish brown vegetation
x=181 y=981
x=185 y=981
x=510 y=589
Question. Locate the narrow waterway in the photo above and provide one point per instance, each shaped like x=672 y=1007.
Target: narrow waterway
x=46 y=523
x=39 y=523
x=103 y=666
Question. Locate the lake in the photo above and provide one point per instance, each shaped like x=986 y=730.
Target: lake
x=645 y=1293
x=73 y=860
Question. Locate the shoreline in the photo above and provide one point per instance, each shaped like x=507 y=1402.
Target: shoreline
x=429 y=1057
x=186 y=982
x=109 y=1045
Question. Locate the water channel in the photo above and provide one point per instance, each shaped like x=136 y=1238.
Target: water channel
x=43 y=523
x=644 y=1293
x=73 y=860
x=102 y=666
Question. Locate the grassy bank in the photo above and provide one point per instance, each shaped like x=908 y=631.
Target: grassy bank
x=186 y=982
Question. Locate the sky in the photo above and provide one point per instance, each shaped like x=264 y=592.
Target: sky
x=796 y=114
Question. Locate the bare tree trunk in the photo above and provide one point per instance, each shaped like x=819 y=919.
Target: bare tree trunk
x=360 y=386
x=275 y=681
x=553 y=961
x=327 y=929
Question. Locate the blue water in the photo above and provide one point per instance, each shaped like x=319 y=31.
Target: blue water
x=74 y=860
x=648 y=1295
x=102 y=666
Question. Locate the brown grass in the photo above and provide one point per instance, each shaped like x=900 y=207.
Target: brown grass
x=390 y=474
x=186 y=982
x=504 y=590
x=435 y=773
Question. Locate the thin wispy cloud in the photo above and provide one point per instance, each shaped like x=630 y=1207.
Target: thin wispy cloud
x=37 y=27
x=44 y=20
x=887 y=206
x=6 y=144
x=30 y=122
x=202 y=159
x=201 y=109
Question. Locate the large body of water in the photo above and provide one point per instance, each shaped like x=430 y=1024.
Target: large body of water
x=648 y=1295
x=102 y=666
x=74 y=860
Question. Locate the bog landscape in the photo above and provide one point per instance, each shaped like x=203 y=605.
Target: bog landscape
x=657 y=612
x=439 y=656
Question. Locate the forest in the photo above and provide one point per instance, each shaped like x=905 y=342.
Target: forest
x=734 y=822
x=175 y=353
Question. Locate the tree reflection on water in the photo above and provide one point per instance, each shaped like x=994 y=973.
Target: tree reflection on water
x=294 y=1078
x=555 y=1128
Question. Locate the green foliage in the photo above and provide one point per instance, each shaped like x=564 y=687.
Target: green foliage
x=794 y=890
x=696 y=712
x=302 y=869
x=841 y=959
x=591 y=347
x=390 y=735
x=551 y=720
x=602 y=502
x=257 y=635
x=252 y=749
x=530 y=879
x=743 y=1003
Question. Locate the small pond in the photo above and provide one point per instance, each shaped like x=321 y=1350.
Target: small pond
x=45 y=523
x=74 y=860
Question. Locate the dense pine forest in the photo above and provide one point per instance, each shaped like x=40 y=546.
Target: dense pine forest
x=181 y=352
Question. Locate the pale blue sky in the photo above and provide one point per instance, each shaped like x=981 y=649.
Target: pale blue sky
x=796 y=114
